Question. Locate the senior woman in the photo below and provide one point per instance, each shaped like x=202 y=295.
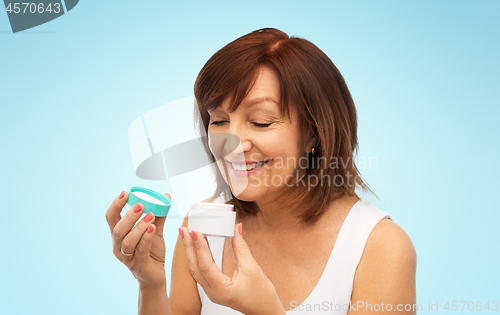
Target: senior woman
x=304 y=242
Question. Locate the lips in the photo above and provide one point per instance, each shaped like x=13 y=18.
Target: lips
x=247 y=166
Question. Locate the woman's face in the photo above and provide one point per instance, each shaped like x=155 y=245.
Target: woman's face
x=264 y=137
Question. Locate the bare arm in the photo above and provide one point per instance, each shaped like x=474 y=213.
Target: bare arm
x=386 y=273
x=153 y=301
x=184 y=296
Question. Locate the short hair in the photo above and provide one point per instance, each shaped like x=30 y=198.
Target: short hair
x=312 y=85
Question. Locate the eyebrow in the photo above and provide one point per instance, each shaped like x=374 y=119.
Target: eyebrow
x=254 y=101
x=258 y=100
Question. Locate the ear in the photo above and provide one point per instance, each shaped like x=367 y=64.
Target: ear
x=311 y=143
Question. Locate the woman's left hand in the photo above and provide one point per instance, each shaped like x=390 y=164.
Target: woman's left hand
x=248 y=291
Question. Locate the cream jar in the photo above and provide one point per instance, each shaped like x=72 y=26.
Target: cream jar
x=212 y=219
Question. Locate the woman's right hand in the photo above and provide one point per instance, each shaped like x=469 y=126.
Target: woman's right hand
x=140 y=248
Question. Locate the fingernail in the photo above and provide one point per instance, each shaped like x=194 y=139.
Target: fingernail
x=239 y=228
x=181 y=232
x=148 y=217
x=121 y=195
x=137 y=207
x=150 y=228
x=193 y=234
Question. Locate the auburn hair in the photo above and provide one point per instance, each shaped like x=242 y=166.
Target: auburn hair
x=310 y=84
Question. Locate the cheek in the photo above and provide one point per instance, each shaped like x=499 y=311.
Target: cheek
x=283 y=150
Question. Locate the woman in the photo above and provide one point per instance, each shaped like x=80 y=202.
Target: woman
x=287 y=103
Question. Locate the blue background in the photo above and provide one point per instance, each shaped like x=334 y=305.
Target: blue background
x=423 y=74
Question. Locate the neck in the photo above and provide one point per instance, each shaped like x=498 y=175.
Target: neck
x=277 y=217
x=274 y=218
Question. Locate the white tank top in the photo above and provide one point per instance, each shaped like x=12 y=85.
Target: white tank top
x=332 y=293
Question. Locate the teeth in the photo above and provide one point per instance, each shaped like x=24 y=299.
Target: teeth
x=248 y=167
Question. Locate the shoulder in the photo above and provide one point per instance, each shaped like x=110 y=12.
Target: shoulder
x=389 y=239
x=388 y=246
x=387 y=269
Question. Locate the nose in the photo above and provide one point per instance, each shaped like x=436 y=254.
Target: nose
x=244 y=145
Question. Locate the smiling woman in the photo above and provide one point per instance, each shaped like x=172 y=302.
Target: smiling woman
x=301 y=88
x=304 y=241
x=287 y=102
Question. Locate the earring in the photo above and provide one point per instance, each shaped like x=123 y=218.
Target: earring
x=311 y=158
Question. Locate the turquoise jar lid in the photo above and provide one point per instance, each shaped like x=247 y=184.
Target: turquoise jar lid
x=151 y=200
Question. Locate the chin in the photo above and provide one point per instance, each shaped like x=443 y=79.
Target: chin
x=247 y=195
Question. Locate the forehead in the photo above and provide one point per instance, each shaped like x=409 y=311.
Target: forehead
x=264 y=93
x=251 y=103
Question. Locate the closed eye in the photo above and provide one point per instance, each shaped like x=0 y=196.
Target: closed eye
x=217 y=123
x=221 y=122
x=261 y=125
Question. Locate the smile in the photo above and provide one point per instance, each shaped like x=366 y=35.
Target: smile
x=241 y=169
x=247 y=167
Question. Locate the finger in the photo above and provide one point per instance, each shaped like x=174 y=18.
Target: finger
x=240 y=248
x=123 y=227
x=192 y=259
x=114 y=210
x=130 y=241
x=160 y=221
x=208 y=244
x=144 y=246
x=207 y=265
